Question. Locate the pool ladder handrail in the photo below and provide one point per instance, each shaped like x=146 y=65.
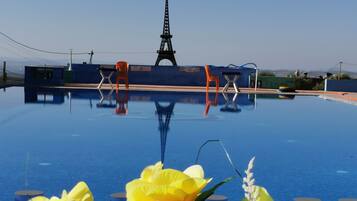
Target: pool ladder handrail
x=225 y=151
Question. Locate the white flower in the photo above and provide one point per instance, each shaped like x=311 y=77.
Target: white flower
x=251 y=191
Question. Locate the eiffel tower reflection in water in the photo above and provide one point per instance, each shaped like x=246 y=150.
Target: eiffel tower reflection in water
x=164 y=114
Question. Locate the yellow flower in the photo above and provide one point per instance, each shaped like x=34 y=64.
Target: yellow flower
x=263 y=195
x=157 y=184
x=80 y=192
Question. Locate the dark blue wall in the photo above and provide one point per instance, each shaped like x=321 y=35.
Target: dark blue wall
x=160 y=75
x=44 y=76
x=138 y=74
x=341 y=85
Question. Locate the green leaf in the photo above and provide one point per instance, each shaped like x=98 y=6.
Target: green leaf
x=203 y=196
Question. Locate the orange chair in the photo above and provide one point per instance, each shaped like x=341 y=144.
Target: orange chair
x=211 y=78
x=122 y=68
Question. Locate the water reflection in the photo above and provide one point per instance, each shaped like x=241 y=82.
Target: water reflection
x=119 y=101
x=44 y=95
x=106 y=99
x=231 y=103
x=164 y=113
x=210 y=102
x=122 y=103
x=163 y=102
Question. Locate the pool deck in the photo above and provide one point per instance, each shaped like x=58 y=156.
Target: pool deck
x=345 y=97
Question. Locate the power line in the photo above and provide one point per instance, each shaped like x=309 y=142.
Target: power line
x=75 y=53
x=125 y=52
x=40 y=50
x=16 y=53
x=23 y=53
x=10 y=39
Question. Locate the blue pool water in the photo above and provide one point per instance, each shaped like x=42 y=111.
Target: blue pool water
x=51 y=139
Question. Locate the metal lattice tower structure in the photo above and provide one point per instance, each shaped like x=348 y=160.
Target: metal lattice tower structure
x=164 y=113
x=166 y=51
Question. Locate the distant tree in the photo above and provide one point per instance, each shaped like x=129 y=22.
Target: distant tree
x=345 y=76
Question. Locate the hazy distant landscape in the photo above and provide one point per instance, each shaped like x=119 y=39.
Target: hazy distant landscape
x=315 y=73
x=16 y=67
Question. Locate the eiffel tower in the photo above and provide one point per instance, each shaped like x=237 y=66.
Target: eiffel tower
x=164 y=113
x=166 y=51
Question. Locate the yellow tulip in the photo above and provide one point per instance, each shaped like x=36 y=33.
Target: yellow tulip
x=263 y=195
x=157 y=184
x=80 y=192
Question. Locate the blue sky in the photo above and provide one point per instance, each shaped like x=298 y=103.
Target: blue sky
x=275 y=34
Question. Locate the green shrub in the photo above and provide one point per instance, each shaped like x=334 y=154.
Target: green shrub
x=309 y=83
x=319 y=86
x=266 y=74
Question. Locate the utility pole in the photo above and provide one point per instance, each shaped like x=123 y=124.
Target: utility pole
x=4 y=74
x=340 y=74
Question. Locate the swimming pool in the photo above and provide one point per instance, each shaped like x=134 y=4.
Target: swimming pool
x=53 y=138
